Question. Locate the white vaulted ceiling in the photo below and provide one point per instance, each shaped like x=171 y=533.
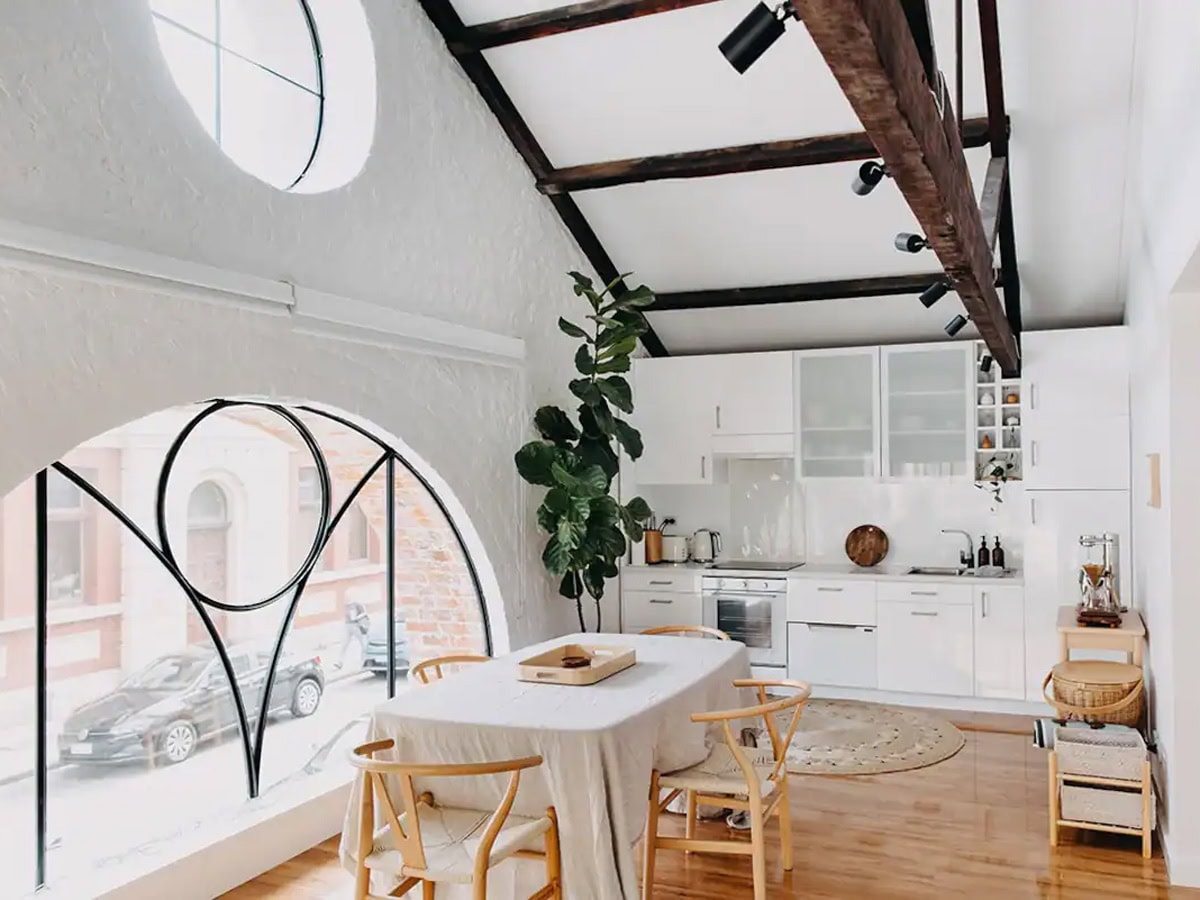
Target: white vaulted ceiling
x=657 y=84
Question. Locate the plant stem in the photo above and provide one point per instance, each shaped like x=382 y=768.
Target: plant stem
x=579 y=612
x=597 y=616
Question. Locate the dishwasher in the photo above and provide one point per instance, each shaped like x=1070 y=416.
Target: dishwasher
x=832 y=654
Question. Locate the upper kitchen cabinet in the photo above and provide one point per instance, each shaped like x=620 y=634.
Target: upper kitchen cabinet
x=928 y=411
x=1075 y=410
x=837 y=411
x=751 y=401
x=673 y=407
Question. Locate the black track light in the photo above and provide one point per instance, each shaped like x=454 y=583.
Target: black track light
x=955 y=325
x=910 y=243
x=755 y=34
x=934 y=293
x=985 y=364
x=869 y=174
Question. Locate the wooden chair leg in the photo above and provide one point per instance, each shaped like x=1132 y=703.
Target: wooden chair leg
x=366 y=838
x=553 y=855
x=1053 y=772
x=428 y=889
x=758 y=844
x=692 y=810
x=784 y=811
x=650 y=841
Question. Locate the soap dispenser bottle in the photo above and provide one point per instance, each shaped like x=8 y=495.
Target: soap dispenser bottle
x=998 y=554
x=985 y=556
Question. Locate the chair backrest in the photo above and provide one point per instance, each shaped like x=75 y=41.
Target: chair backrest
x=408 y=842
x=689 y=631
x=433 y=669
x=768 y=709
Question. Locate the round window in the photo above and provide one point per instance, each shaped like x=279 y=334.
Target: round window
x=257 y=76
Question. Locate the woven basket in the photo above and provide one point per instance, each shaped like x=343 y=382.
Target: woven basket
x=1105 y=807
x=1100 y=753
x=1096 y=691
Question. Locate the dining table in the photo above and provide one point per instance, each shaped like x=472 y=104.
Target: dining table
x=599 y=744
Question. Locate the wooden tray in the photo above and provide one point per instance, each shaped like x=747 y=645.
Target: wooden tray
x=867 y=545
x=606 y=661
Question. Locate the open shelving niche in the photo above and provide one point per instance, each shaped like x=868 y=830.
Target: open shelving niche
x=997 y=423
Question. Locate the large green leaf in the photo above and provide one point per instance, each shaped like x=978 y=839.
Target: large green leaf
x=610 y=539
x=603 y=512
x=555 y=425
x=587 y=420
x=638 y=298
x=639 y=509
x=616 y=364
x=556 y=558
x=599 y=452
x=630 y=438
x=613 y=335
x=582 y=282
x=624 y=346
x=585 y=389
x=570 y=533
x=560 y=504
x=534 y=462
x=584 y=362
x=617 y=391
x=573 y=330
x=571 y=586
x=604 y=417
x=588 y=482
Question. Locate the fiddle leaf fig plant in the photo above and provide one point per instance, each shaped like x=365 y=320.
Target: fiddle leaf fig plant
x=576 y=459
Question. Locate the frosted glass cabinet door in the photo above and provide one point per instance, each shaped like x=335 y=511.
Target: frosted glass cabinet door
x=928 y=411
x=837 y=408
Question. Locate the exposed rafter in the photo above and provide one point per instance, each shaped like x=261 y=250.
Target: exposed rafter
x=842 y=289
x=559 y=21
x=447 y=21
x=870 y=49
x=810 y=151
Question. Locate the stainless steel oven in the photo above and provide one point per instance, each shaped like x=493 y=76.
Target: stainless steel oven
x=750 y=610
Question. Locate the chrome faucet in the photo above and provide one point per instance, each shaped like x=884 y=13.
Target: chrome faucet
x=966 y=559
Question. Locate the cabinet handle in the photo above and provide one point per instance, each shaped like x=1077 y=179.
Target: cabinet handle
x=665 y=602
x=662 y=582
x=983 y=605
x=1032 y=510
x=923 y=594
x=832 y=590
x=1033 y=396
x=1032 y=454
x=702 y=467
x=917 y=612
x=718 y=417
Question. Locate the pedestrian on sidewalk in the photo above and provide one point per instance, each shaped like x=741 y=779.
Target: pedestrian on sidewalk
x=356 y=624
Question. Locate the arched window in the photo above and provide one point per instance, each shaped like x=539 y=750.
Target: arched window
x=293 y=481
x=255 y=74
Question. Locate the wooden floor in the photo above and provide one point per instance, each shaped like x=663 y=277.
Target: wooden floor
x=973 y=826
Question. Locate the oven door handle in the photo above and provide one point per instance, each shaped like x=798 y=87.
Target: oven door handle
x=746 y=595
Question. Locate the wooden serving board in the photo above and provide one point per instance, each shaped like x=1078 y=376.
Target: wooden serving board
x=867 y=545
x=548 y=668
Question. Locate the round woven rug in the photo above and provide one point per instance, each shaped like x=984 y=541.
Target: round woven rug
x=848 y=737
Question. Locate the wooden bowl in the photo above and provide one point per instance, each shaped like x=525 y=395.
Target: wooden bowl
x=867 y=545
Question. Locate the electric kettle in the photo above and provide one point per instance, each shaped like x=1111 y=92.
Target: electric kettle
x=706 y=545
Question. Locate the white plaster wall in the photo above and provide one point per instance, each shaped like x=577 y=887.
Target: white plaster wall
x=1161 y=234
x=443 y=220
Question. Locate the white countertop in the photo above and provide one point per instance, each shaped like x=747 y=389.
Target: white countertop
x=834 y=570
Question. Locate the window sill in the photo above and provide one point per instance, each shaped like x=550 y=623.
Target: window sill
x=67 y=616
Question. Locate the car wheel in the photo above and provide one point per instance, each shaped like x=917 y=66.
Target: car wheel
x=306 y=699
x=178 y=742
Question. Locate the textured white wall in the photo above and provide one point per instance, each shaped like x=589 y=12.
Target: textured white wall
x=1161 y=234
x=443 y=221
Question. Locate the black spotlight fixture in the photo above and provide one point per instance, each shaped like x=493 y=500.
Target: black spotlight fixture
x=910 y=243
x=934 y=293
x=869 y=174
x=955 y=325
x=985 y=364
x=755 y=34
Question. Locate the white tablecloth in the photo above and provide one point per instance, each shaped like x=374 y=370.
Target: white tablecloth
x=599 y=743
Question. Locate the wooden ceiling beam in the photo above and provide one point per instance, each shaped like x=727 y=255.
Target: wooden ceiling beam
x=560 y=20
x=807 y=292
x=870 y=49
x=810 y=151
x=447 y=21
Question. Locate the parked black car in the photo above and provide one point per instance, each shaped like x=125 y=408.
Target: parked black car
x=163 y=712
x=375 y=652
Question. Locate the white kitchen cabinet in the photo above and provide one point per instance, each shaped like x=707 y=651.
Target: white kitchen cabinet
x=650 y=609
x=926 y=647
x=675 y=415
x=837 y=413
x=1054 y=520
x=748 y=393
x=928 y=411
x=1075 y=410
x=999 y=612
x=836 y=655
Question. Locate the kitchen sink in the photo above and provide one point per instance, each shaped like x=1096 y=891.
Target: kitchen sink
x=958 y=572
x=937 y=570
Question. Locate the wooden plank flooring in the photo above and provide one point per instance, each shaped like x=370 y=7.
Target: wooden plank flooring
x=973 y=826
